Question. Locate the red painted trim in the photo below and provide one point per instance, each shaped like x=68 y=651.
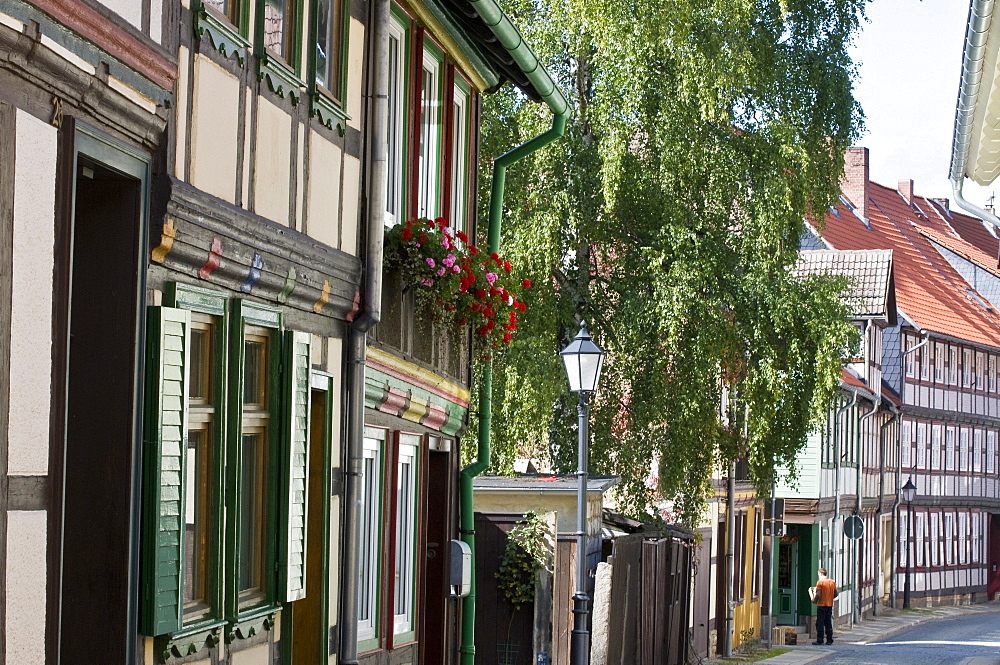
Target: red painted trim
x=84 y=19
x=409 y=378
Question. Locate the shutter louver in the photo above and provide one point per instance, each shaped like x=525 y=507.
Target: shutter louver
x=165 y=438
x=297 y=365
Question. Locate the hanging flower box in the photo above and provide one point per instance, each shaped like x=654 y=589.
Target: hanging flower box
x=455 y=282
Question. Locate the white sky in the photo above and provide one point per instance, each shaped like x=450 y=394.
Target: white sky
x=910 y=61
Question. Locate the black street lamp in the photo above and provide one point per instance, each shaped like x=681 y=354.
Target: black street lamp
x=909 y=491
x=583 y=360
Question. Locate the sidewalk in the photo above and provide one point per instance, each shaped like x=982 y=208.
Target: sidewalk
x=878 y=628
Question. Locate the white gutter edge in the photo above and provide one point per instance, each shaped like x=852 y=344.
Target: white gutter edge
x=980 y=17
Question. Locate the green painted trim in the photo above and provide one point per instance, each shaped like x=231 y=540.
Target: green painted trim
x=377 y=386
x=252 y=623
x=469 y=49
x=190 y=641
x=225 y=37
x=280 y=79
x=329 y=113
x=195 y=298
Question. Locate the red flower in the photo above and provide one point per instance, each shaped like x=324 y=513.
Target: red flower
x=480 y=293
x=409 y=223
x=506 y=266
x=491 y=324
x=441 y=223
x=526 y=283
x=423 y=238
x=482 y=330
x=521 y=306
x=406 y=233
x=473 y=250
x=506 y=338
x=513 y=318
x=462 y=321
x=462 y=236
x=494 y=256
x=430 y=223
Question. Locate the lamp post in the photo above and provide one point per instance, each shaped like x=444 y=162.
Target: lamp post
x=583 y=360
x=909 y=490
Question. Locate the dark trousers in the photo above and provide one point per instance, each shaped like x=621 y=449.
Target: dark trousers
x=824 y=624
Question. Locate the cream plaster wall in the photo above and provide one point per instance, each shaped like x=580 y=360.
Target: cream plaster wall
x=300 y=180
x=180 y=112
x=255 y=656
x=156 y=20
x=31 y=296
x=271 y=170
x=325 y=160
x=355 y=66
x=130 y=10
x=561 y=503
x=214 y=129
x=349 y=214
x=25 y=597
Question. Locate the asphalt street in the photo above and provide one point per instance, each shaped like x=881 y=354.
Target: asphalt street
x=973 y=639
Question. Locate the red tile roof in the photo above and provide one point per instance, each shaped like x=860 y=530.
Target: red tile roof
x=928 y=290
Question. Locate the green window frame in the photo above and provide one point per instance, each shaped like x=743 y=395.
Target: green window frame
x=461 y=153
x=227 y=24
x=278 y=45
x=397 y=146
x=200 y=409
x=328 y=47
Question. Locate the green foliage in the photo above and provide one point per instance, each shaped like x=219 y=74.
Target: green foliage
x=524 y=556
x=669 y=217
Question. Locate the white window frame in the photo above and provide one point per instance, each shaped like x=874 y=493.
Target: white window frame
x=963 y=449
x=910 y=343
x=977 y=450
x=949 y=454
x=939 y=362
x=949 y=539
x=991 y=451
x=963 y=537
x=919 y=529
x=952 y=364
x=993 y=373
x=369 y=534
x=429 y=148
x=395 y=172
x=460 y=144
x=407 y=494
x=907 y=444
x=967 y=373
x=935 y=524
x=921 y=445
x=936 y=446
x=980 y=369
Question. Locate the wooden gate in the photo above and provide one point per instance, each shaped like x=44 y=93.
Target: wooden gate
x=650 y=601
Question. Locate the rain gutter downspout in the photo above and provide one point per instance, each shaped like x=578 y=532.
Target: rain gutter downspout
x=899 y=447
x=859 y=552
x=509 y=37
x=358 y=336
x=881 y=506
x=980 y=17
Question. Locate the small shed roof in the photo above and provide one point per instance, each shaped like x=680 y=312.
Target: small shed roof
x=543 y=482
x=872 y=291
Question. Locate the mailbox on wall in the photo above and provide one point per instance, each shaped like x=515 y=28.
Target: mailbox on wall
x=461 y=569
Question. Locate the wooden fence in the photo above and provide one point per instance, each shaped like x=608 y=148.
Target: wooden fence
x=650 y=601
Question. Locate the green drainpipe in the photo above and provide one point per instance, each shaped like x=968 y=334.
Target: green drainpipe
x=526 y=60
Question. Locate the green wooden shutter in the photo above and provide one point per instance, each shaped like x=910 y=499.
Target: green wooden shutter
x=296 y=463
x=168 y=345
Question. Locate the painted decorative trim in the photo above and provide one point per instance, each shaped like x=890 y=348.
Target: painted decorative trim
x=324 y=297
x=225 y=38
x=182 y=644
x=188 y=296
x=417 y=376
x=214 y=259
x=328 y=112
x=280 y=79
x=289 y=286
x=251 y=625
x=254 y=275
x=167 y=237
x=403 y=399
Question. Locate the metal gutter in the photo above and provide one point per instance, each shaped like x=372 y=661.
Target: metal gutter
x=459 y=47
x=358 y=337
x=510 y=38
x=980 y=18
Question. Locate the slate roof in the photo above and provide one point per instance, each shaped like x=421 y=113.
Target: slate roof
x=543 y=482
x=870 y=273
x=929 y=290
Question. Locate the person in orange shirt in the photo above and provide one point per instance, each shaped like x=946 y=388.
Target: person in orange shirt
x=826 y=591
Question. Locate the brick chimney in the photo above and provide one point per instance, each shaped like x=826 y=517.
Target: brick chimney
x=855 y=182
x=905 y=189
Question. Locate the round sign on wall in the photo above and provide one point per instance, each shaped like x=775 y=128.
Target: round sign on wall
x=854 y=527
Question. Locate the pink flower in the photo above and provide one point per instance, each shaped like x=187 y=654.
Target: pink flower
x=430 y=261
x=449 y=260
x=490 y=277
x=441 y=271
x=426 y=281
x=456 y=269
